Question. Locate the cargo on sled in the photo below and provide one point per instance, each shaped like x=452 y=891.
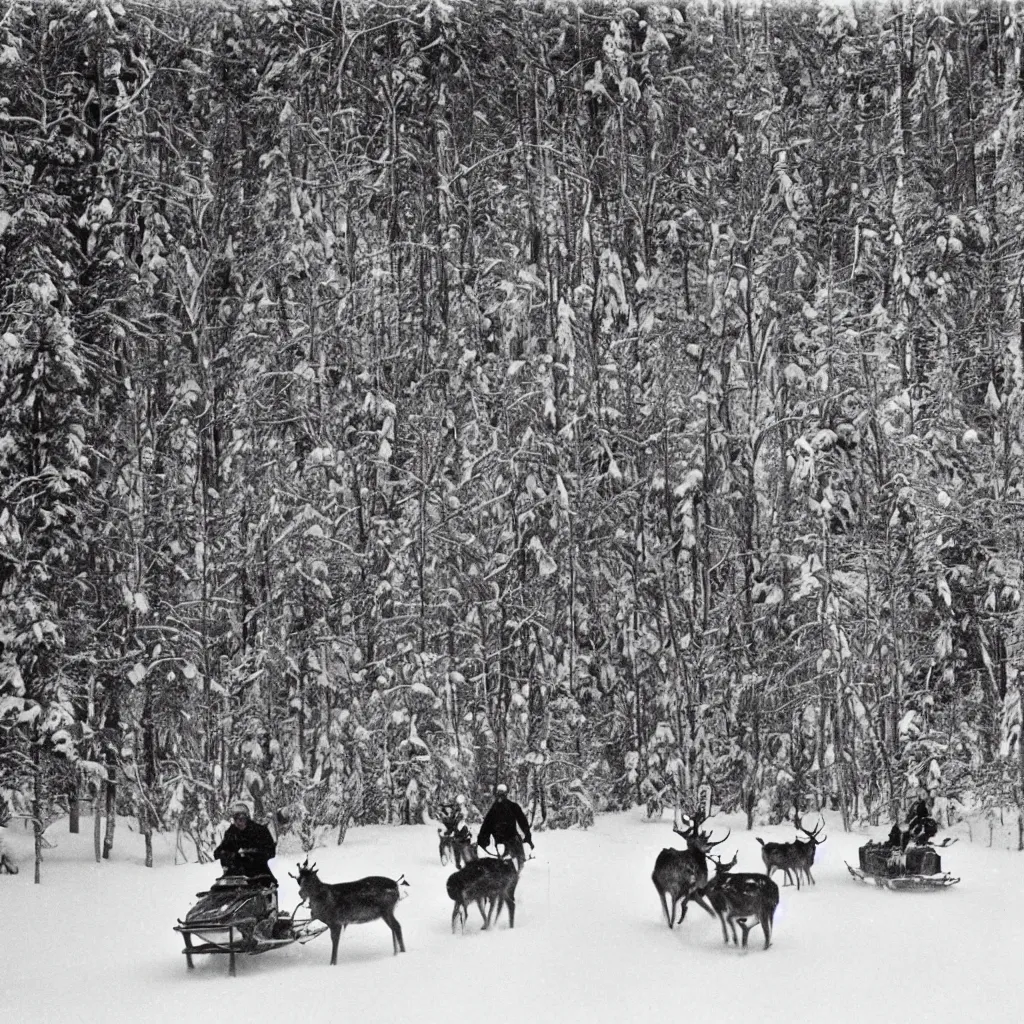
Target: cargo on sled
x=916 y=867
x=237 y=916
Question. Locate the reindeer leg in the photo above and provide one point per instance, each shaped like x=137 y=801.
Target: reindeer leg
x=766 y=927
x=396 y=933
x=510 y=902
x=746 y=930
x=703 y=904
x=496 y=906
x=664 y=906
x=335 y=937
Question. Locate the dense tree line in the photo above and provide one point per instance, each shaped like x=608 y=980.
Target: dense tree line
x=621 y=401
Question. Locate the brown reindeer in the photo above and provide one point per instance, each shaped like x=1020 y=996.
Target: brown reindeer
x=345 y=903
x=743 y=899
x=681 y=875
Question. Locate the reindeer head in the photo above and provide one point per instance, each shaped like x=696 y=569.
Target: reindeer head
x=696 y=838
x=724 y=869
x=307 y=873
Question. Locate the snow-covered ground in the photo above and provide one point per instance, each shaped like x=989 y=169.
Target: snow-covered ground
x=94 y=941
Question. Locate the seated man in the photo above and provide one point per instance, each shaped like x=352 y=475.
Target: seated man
x=246 y=847
x=921 y=825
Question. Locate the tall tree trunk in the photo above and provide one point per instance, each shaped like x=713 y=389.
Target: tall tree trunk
x=73 y=808
x=97 y=821
x=37 y=811
x=1020 y=783
x=111 y=808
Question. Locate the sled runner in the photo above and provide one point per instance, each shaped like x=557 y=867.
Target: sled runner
x=918 y=867
x=234 y=916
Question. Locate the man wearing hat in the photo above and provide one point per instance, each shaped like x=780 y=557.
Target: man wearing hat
x=501 y=822
x=246 y=847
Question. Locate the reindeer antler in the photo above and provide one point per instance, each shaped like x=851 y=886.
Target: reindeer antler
x=705 y=838
x=697 y=818
x=813 y=836
x=723 y=868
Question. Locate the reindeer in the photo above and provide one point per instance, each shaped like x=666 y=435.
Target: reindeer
x=464 y=848
x=776 y=856
x=490 y=878
x=345 y=903
x=804 y=850
x=795 y=857
x=745 y=899
x=445 y=848
x=681 y=875
x=454 y=840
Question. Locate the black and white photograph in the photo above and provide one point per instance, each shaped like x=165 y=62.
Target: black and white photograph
x=539 y=482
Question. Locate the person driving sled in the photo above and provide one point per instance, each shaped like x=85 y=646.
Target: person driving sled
x=921 y=825
x=501 y=822
x=246 y=847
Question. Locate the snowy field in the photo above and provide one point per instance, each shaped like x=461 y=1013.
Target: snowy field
x=94 y=941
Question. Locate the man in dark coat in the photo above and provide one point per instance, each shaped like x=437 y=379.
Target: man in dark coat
x=502 y=822
x=921 y=825
x=246 y=847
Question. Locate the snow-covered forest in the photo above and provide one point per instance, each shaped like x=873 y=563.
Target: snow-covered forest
x=625 y=402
